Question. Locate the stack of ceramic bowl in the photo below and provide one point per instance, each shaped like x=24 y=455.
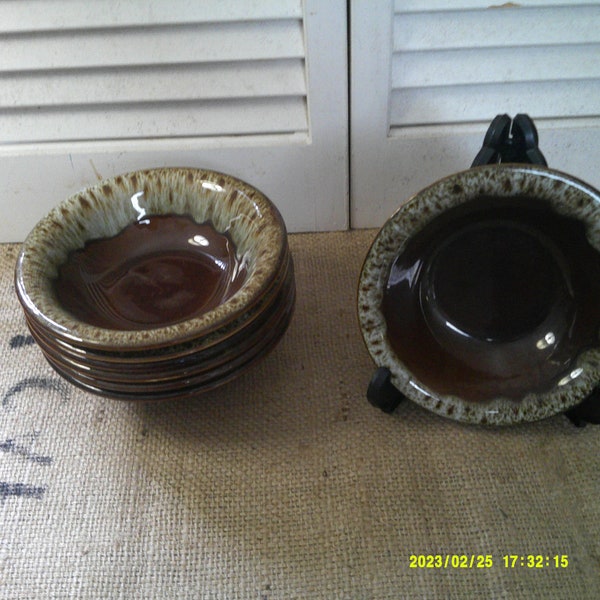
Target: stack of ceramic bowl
x=157 y=284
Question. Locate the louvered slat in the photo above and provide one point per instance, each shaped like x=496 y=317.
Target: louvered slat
x=180 y=44
x=112 y=77
x=155 y=120
x=497 y=28
x=442 y=5
x=495 y=65
x=47 y=15
x=153 y=84
x=432 y=106
x=459 y=66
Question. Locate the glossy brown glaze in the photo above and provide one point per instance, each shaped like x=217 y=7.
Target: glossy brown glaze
x=161 y=270
x=494 y=297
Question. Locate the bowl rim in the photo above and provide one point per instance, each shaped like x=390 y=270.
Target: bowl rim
x=409 y=219
x=41 y=306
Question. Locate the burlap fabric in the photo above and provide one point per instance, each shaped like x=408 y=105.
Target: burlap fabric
x=285 y=483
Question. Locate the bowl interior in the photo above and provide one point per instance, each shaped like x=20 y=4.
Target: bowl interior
x=160 y=270
x=222 y=203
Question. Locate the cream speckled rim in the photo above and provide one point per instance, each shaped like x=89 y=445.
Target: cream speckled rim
x=567 y=195
x=103 y=210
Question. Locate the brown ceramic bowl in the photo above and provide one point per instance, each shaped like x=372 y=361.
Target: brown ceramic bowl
x=192 y=374
x=481 y=294
x=192 y=379
x=176 y=355
x=150 y=375
x=231 y=209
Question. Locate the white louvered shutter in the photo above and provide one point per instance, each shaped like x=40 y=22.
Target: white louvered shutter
x=428 y=76
x=90 y=89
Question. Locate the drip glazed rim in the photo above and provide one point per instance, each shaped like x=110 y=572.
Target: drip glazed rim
x=567 y=196
x=106 y=208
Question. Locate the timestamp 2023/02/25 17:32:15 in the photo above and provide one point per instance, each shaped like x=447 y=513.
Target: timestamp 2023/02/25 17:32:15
x=487 y=561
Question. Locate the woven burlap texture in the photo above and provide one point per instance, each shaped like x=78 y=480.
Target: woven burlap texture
x=284 y=484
